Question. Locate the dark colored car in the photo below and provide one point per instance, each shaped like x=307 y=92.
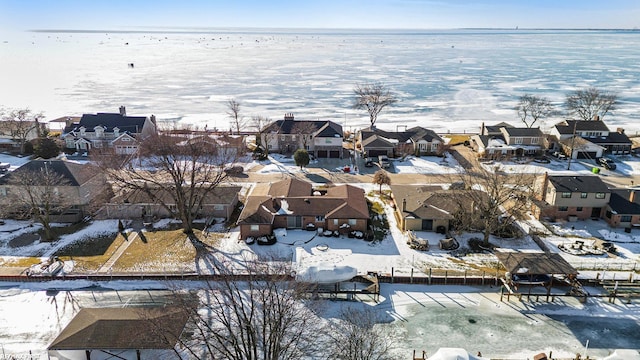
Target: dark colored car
x=606 y=163
x=542 y=160
x=234 y=170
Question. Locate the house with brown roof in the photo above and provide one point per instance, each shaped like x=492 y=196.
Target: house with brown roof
x=418 y=141
x=136 y=204
x=427 y=207
x=123 y=333
x=295 y=204
x=321 y=138
x=571 y=197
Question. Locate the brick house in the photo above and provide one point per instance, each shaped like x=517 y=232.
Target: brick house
x=295 y=204
x=594 y=131
x=571 y=197
x=623 y=209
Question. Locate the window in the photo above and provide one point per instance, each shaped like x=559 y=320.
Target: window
x=125 y=139
x=579 y=208
x=583 y=195
x=566 y=195
x=335 y=221
x=320 y=218
x=283 y=137
x=293 y=137
x=563 y=208
x=599 y=195
x=3 y=191
x=535 y=140
x=352 y=222
x=625 y=218
x=218 y=207
x=99 y=131
x=255 y=227
x=517 y=140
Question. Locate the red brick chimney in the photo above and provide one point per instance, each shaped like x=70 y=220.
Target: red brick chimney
x=288 y=116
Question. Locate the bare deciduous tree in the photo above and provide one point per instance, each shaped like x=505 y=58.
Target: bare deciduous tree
x=39 y=195
x=373 y=98
x=233 y=110
x=304 y=129
x=381 y=178
x=21 y=125
x=531 y=108
x=262 y=139
x=493 y=200
x=261 y=314
x=173 y=170
x=357 y=336
x=590 y=103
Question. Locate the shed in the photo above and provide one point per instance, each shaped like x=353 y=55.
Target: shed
x=119 y=332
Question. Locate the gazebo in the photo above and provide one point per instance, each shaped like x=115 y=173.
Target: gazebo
x=123 y=333
x=534 y=269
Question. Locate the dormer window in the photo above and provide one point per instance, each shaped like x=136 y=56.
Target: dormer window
x=116 y=132
x=82 y=131
x=99 y=131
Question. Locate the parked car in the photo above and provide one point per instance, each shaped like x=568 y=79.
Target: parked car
x=383 y=161
x=606 y=163
x=234 y=170
x=368 y=162
x=559 y=155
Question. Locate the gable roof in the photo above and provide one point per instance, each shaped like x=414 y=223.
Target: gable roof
x=578 y=143
x=108 y=121
x=620 y=204
x=429 y=201
x=535 y=263
x=122 y=328
x=413 y=134
x=294 y=197
x=323 y=128
x=566 y=127
x=74 y=174
x=587 y=184
x=524 y=132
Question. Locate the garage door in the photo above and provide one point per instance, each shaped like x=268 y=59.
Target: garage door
x=321 y=154
x=427 y=224
x=375 y=153
x=587 y=154
x=334 y=154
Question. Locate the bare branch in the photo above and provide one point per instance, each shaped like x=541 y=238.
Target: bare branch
x=534 y=107
x=590 y=103
x=373 y=98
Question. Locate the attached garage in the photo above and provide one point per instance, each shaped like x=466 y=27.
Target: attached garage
x=427 y=224
x=334 y=154
x=321 y=154
x=587 y=155
x=377 y=152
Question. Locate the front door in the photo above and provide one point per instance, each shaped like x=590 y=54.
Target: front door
x=595 y=212
x=294 y=222
x=427 y=224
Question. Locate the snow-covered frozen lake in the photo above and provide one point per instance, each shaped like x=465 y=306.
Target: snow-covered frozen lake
x=445 y=80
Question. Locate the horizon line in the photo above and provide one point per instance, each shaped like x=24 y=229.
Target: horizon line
x=208 y=29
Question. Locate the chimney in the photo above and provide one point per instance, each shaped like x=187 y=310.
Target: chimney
x=404 y=205
x=620 y=130
x=596 y=117
x=288 y=116
x=153 y=120
x=482 y=129
x=545 y=183
x=632 y=196
x=123 y=111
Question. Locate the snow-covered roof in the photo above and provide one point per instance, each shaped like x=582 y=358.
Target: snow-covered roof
x=326 y=273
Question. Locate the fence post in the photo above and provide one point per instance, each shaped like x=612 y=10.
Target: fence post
x=465 y=277
x=429 y=276
x=411 y=276
x=392 y=275
x=446 y=272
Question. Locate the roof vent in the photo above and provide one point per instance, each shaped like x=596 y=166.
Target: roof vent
x=307 y=201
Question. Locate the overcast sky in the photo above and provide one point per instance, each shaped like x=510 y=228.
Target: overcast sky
x=385 y=14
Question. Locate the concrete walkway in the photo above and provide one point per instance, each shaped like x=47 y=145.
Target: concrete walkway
x=106 y=267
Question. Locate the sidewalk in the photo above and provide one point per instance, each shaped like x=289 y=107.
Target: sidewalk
x=106 y=267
